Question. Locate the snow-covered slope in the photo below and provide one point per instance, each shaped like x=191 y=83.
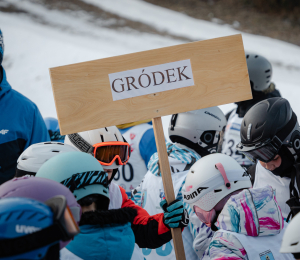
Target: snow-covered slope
x=39 y=38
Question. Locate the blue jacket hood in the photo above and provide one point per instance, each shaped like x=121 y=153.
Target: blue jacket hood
x=5 y=87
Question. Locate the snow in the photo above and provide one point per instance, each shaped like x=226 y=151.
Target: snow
x=41 y=38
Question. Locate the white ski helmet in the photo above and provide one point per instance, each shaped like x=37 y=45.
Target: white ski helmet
x=260 y=71
x=211 y=179
x=30 y=161
x=198 y=129
x=291 y=237
x=92 y=137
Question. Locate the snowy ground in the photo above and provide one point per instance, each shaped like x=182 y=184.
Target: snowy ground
x=37 y=38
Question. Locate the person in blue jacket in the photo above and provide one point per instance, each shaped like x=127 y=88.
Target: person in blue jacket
x=21 y=124
x=140 y=136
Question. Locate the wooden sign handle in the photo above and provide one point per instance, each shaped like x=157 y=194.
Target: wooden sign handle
x=167 y=181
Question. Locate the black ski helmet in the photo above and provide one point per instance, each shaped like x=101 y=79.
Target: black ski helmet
x=267 y=127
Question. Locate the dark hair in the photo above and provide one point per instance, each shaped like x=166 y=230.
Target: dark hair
x=101 y=201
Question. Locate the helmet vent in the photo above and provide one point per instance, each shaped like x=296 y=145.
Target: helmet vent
x=116 y=137
x=267 y=71
x=235 y=181
x=54 y=151
x=294 y=244
x=102 y=139
x=48 y=143
x=8 y=217
x=20 y=215
x=106 y=129
x=268 y=76
x=216 y=191
x=247 y=56
x=23 y=159
x=256 y=56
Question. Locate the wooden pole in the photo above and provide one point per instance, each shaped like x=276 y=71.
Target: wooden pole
x=167 y=181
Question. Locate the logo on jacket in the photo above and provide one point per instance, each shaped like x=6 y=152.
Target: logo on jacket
x=3 y=131
x=132 y=136
x=267 y=255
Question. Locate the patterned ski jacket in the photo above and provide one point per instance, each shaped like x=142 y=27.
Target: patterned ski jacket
x=252 y=212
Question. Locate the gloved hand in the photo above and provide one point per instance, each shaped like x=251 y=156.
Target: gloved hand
x=175 y=216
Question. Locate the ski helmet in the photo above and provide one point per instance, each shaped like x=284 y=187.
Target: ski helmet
x=291 y=237
x=210 y=180
x=40 y=189
x=78 y=171
x=25 y=216
x=260 y=71
x=269 y=128
x=53 y=129
x=106 y=144
x=198 y=129
x=35 y=155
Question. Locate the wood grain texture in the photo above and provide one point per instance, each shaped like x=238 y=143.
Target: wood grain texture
x=164 y=167
x=83 y=96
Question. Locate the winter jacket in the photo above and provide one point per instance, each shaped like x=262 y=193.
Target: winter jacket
x=112 y=238
x=252 y=212
x=151 y=192
x=149 y=231
x=21 y=125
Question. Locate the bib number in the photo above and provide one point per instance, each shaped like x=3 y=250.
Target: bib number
x=127 y=173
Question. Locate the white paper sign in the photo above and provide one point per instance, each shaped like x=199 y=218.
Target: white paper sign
x=153 y=79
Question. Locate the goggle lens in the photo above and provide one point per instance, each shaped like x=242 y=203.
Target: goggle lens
x=70 y=223
x=265 y=154
x=206 y=217
x=107 y=153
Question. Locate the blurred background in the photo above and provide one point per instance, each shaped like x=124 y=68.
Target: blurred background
x=40 y=34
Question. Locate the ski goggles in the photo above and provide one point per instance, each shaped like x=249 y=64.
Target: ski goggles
x=109 y=152
x=64 y=228
x=264 y=151
x=106 y=153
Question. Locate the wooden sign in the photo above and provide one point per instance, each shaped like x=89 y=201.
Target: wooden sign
x=151 y=84
x=83 y=93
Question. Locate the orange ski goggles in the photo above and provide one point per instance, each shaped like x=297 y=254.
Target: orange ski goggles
x=106 y=153
x=109 y=152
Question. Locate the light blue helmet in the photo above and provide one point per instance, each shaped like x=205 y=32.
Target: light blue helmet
x=53 y=129
x=78 y=171
x=20 y=217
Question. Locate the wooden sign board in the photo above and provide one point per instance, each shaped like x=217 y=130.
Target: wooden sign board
x=83 y=94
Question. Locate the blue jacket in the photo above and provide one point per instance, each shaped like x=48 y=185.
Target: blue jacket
x=21 y=125
x=96 y=242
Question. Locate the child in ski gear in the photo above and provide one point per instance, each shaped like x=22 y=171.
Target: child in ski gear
x=270 y=136
x=250 y=222
x=102 y=230
x=30 y=161
x=194 y=134
x=42 y=190
x=21 y=124
x=260 y=75
x=140 y=136
x=53 y=129
x=150 y=231
x=33 y=229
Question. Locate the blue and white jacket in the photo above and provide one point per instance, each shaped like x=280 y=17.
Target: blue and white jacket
x=21 y=125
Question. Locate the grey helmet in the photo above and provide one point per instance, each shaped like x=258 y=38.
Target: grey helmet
x=260 y=71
